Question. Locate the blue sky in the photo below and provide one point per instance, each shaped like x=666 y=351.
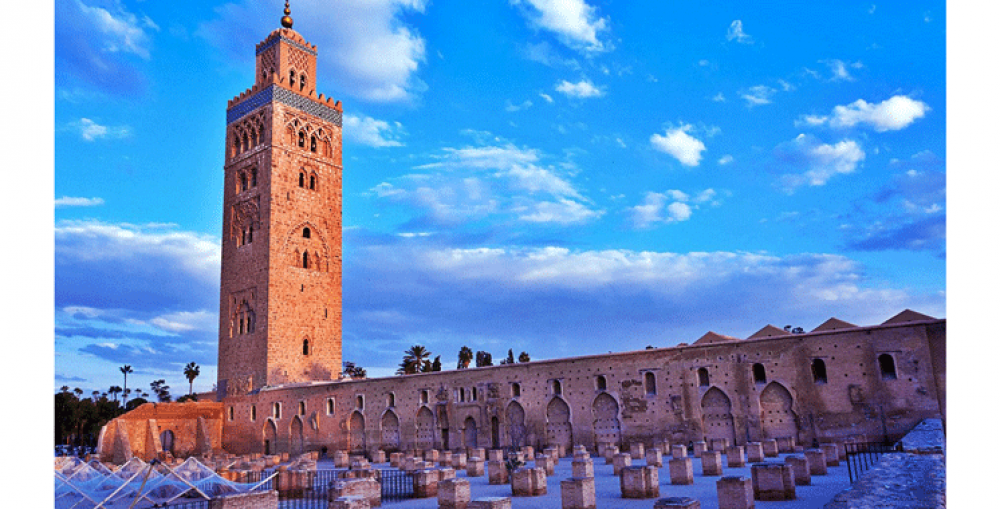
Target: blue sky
x=560 y=177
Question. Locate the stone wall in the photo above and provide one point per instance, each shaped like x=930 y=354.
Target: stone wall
x=650 y=396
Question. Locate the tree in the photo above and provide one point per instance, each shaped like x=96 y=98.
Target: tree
x=414 y=361
x=126 y=369
x=161 y=389
x=436 y=365
x=354 y=371
x=524 y=357
x=191 y=371
x=114 y=390
x=510 y=357
x=483 y=359
x=464 y=357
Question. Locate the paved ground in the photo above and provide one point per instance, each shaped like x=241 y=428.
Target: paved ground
x=822 y=490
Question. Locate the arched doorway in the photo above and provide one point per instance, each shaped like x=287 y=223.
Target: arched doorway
x=607 y=427
x=558 y=430
x=390 y=431
x=717 y=416
x=425 y=429
x=167 y=441
x=356 y=435
x=776 y=416
x=515 y=424
x=270 y=437
x=295 y=436
x=495 y=432
x=470 y=434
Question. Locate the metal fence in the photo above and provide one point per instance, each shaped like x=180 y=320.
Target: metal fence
x=861 y=456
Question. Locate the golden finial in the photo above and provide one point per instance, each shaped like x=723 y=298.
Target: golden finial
x=286 y=20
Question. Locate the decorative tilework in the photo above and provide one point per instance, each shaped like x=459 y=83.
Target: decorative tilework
x=283 y=96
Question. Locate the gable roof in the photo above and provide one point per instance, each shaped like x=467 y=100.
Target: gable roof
x=712 y=337
x=770 y=331
x=834 y=324
x=908 y=315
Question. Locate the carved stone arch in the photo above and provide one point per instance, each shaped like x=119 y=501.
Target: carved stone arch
x=296 y=436
x=356 y=431
x=245 y=214
x=470 y=433
x=515 y=424
x=270 y=433
x=316 y=244
x=558 y=427
x=717 y=415
x=424 y=422
x=607 y=426
x=390 y=430
x=777 y=418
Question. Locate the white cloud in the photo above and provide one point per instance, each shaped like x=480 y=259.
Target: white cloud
x=677 y=142
x=758 y=95
x=839 y=69
x=822 y=161
x=669 y=207
x=547 y=97
x=69 y=201
x=122 y=30
x=893 y=114
x=497 y=179
x=347 y=35
x=726 y=159
x=736 y=33
x=369 y=131
x=511 y=107
x=581 y=90
x=186 y=321
x=575 y=23
x=90 y=130
x=719 y=98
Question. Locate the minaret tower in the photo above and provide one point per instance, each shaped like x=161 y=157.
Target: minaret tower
x=280 y=301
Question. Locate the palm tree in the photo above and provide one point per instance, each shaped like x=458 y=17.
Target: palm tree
x=115 y=390
x=464 y=357
x=524 y=357
x=414 y=359
x=126 y=369
x=191 y=371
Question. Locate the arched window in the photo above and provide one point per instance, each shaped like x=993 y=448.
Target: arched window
x=250 y=234
x=302 y=82
x=302 y=408
x=276 y=410
x=291 y=78
x=302 y=138
x=759 y=376
x=253 y=412
x=461 y=395
x=391 y=400
x=231 y=413
x=305 y=259
x=887 y=365
x=302 y=179
x=515 y=389
x=305 y=347
x=253 y=177
x=650 y=379
x=819 y=371
x=556 y=387
x=602 y=383
x=312 y=143
x=306 y=233
x=329 y=406
x=361 y=402
x=424 y=396
x=253 y=137
x=475 y=394
x=243 y=182
x=236 y=145
x=702 y=377
x=312 y=182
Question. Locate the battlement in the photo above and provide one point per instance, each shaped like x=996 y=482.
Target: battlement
x=283 y=83
x=288 y=35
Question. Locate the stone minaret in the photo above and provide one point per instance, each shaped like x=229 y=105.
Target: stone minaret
x=280 y=301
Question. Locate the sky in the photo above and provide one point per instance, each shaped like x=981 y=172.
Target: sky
x=561 y=177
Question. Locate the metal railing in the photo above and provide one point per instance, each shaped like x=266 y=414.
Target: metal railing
x=862 y=456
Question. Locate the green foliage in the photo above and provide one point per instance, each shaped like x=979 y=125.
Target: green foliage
x=187 y=397
x=191 y=371
x=354 y=371
x=524 y=357
x=436 y=365
x=483 y=359
x=78 y=421
x=464 y=357
x=161 y=389
x=415 y=361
